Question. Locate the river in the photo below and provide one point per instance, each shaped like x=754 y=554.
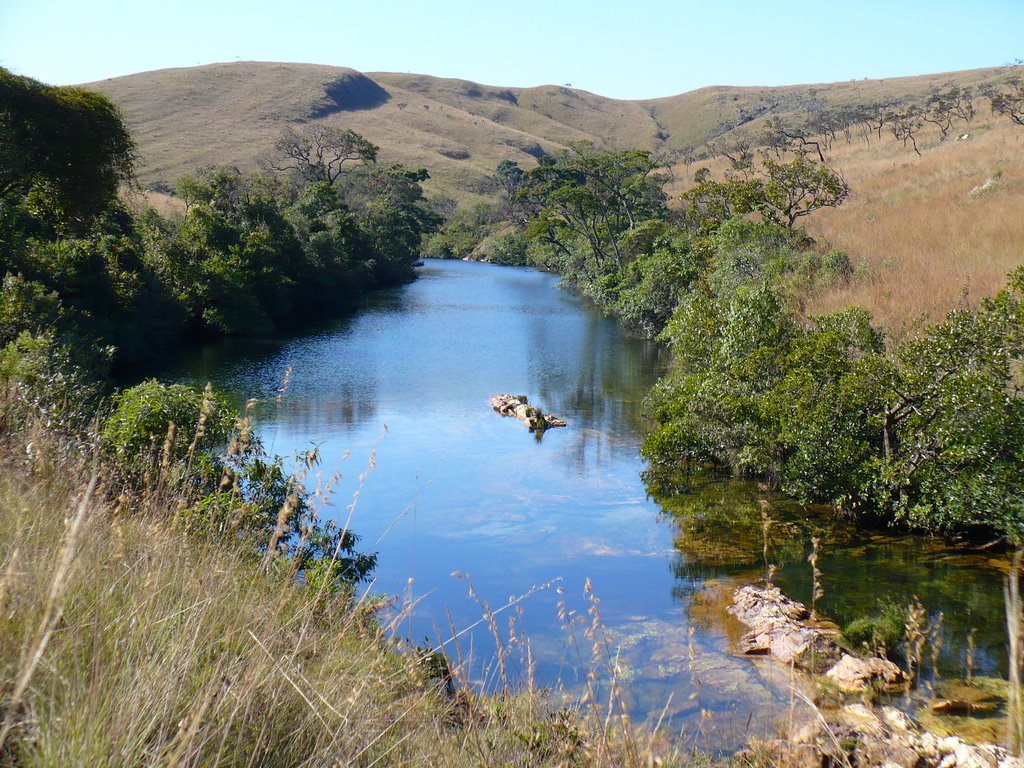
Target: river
x=469 y=511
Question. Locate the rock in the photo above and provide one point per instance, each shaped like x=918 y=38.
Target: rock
x=854 y=675
x=779 y=629
x=981 y=189
x=858 y=734
x=809 y=733
x=755 y=605
x=959 y=707
x=518 y=407
x=898 y=721
x=863 y=719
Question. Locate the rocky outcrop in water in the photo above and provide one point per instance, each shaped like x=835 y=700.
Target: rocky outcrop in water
x=518 y=407
x=852 y=734
x=780 y=628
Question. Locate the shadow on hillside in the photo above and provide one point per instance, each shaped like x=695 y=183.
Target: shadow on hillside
x=350 y=93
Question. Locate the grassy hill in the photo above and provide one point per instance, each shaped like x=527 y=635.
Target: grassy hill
x=459 y=130
x=922 y=240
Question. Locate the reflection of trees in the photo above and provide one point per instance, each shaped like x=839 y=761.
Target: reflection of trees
x=720 y=526
x=718 y=539
x=600 y=377
x=313 y=416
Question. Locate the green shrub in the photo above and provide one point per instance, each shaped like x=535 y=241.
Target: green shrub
x=879 y=633
x=41 y=380
x=137 y=429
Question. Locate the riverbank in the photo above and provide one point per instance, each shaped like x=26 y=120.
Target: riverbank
x=847 y=715
x=125 y=639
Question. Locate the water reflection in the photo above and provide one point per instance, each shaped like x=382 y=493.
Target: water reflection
x=720 y=531
x=455 y=487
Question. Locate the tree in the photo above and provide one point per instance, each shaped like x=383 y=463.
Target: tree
x=509 y=178
x=63 y=152
x=593 y=195
x=906 y=122
x=781 y=139
x=1010 y=102
x=943 y=108
x=711 y=202
x=393 y=218
x=799 y=188
x=781 y=193
x=320 y=153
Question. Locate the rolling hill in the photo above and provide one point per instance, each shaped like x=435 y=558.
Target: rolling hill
x=458 y=130
x=924 y=240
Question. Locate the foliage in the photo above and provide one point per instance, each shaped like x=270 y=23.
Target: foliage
x=1010 y=101
x=153 y=422
x=879 y=633
x=320 y=153
x=250 y=253
x=393 y=217
x=463 y=232
x=175 y=437
x=43 y=381
x=799 y=188
x=930 y=433
x=63 y=153
x=782 y=193
x=953 y=428
x=591 y=196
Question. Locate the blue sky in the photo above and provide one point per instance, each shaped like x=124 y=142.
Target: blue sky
x=624 y=49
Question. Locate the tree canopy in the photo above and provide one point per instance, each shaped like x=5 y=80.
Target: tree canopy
x=63 y=151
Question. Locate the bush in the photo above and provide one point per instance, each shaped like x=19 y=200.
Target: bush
x=41 y=380
x=139 y=427
x=880 y=633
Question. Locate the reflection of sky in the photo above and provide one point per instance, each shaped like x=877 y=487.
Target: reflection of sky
x=455 y=487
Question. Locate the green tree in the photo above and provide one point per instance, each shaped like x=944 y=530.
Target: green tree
x=594 y=196
x=63 y=152
x=799 y=188
x=393 y=217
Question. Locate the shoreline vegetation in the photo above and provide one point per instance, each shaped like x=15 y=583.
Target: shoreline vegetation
x=167 y=602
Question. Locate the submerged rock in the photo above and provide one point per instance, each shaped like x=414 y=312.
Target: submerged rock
x=518 y=407
x=854 y=734
x=859 y=735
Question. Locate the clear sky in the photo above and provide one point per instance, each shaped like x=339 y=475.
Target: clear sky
x=625 y=49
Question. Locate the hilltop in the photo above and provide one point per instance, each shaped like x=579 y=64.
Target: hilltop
x=459 y=130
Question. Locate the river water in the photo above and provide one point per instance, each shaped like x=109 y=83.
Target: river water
x=558 y=537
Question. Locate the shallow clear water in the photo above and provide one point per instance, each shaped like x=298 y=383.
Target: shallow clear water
x=396 y=398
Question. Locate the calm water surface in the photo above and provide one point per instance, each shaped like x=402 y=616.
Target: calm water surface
x=465 y=507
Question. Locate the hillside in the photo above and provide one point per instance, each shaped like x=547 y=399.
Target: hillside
x=922 y=241
x=459 y=130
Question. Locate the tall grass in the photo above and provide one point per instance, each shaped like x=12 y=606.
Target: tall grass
x=923 y=240
x=127 y=640
x=922 y=235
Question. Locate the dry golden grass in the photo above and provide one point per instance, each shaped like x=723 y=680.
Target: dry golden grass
x=458 y=130
x=126 y=641
x=922 y=236
x=924 y=240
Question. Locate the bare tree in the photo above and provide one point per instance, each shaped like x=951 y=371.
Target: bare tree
x=1010 y=102
x=781 y=139
x=906 y=122
x=739 y=151
x=319 y=153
